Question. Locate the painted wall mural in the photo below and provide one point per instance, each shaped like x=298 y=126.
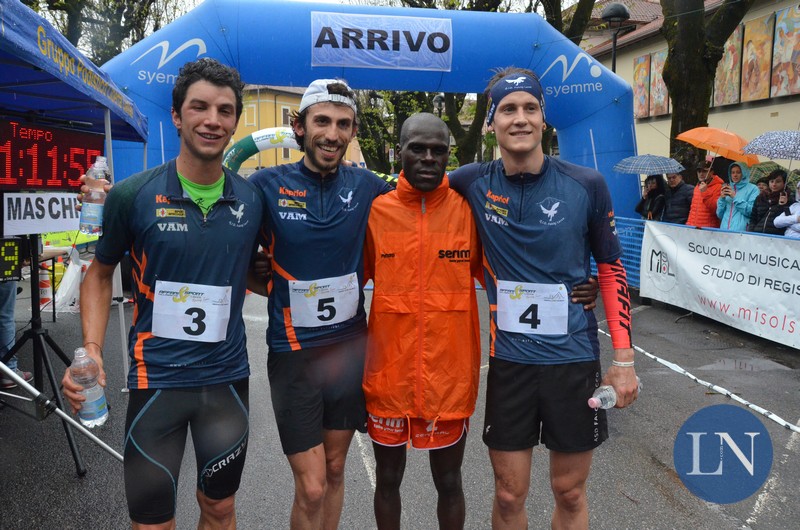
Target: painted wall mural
x=729 y=70
x=659 y=97
x=786 y=53
x=756 y=57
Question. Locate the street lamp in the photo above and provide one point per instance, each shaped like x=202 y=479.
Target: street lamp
x=615 y=13
x=438 y=102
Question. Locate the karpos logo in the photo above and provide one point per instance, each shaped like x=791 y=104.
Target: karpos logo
x=582 y=86
x=150 y=77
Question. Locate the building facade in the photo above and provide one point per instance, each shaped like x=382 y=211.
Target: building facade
x=757 y=87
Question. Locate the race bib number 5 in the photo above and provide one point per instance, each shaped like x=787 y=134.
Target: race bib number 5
x=323 y=302
x=532 y=308
x=189 y=311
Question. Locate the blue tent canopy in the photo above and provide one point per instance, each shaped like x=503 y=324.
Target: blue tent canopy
x=45 y=79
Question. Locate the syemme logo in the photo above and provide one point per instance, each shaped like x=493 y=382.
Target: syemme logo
x=723 y=454
x=152 y=76
x=582 y=86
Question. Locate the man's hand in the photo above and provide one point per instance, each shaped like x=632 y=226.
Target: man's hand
x=85 y=189
x=258 y=275
x=586 y=294
x=703 y=186
x=72 y=390
x=623 y=379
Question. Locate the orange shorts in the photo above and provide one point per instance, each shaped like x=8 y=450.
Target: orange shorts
x=423 y=434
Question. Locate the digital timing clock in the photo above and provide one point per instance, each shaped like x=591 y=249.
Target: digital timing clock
x=33 y=157
x=11 y=257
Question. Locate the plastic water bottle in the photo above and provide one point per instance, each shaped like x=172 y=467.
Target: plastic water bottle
x=84 y=371
x=92 y=207
x=605 y=397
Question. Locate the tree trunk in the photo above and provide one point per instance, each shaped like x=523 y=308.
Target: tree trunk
x=695 y=46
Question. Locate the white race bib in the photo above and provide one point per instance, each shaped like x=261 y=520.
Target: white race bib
x=323 y=302
x=532 y=308
x=189 y=311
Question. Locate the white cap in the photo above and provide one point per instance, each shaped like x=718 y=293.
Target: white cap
x=317 y=92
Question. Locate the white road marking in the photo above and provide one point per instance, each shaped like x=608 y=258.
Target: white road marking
x=766 y=496
x=365 y=447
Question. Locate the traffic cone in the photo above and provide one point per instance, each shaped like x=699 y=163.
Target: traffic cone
x=45 y=287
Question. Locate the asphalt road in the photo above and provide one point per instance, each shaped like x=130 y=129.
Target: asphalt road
x=633 y=483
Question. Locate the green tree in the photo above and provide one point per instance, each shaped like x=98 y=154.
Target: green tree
x=466 y=125
x=695 y=46
x=103 y=28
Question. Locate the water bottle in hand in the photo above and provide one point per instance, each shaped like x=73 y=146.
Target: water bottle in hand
x=84 y=371
x=605 y=397
x=92 y=208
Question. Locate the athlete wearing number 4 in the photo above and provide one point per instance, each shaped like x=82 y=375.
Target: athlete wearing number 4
x=187 y=344
x=540 y=219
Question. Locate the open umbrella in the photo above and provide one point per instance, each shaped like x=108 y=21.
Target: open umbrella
x=648 y=165
x=724 y=143
x=762 y=169
x=783 y=145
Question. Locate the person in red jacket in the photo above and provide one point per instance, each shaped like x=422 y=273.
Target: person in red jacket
x=703 y=213
x=423 y=348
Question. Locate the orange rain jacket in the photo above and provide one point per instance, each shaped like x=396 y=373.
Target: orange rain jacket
x=423 y=352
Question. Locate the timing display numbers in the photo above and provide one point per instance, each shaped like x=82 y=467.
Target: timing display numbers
x=10 y=259
x=34 y=157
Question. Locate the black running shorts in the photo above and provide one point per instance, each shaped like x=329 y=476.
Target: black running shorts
x=317 y=389
x=155 y=437
x=526 y=403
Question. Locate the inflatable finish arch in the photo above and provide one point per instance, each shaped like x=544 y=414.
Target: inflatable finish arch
x=292 y=43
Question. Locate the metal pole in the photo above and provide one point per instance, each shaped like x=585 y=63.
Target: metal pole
x=614 y=51
x=46 y=404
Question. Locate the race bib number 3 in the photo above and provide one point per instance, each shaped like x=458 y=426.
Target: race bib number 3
x=323 y=302
x=189 y=311
x=532 y=308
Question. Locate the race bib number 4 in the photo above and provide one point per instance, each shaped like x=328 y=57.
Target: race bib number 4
x=189 y=311
x=323 y=302
x=532 y=308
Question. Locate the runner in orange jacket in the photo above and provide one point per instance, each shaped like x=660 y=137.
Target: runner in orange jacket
x=423 y=352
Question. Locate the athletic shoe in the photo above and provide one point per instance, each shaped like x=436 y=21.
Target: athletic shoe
x=7 y=382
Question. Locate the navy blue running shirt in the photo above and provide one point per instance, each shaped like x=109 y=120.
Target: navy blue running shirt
x=541 y=229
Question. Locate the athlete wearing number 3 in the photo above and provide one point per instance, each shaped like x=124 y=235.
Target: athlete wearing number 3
x=187 y=344
x=540 y=219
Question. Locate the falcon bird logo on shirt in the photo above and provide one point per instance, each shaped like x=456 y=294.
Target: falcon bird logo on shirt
x=552 y=211
x=237 y=213
x=346 y=195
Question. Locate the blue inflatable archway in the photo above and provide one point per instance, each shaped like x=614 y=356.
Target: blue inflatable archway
x=293 y=43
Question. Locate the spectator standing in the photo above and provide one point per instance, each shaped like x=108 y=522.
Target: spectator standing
x=770 y=204
x=703 y=212
x=791 y=220
x=8 y=301
x=762 y=184
x=737 y=196
x=678 y=199
x=651 y=206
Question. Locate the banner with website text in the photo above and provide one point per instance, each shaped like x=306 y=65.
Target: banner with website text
x=746 y=281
